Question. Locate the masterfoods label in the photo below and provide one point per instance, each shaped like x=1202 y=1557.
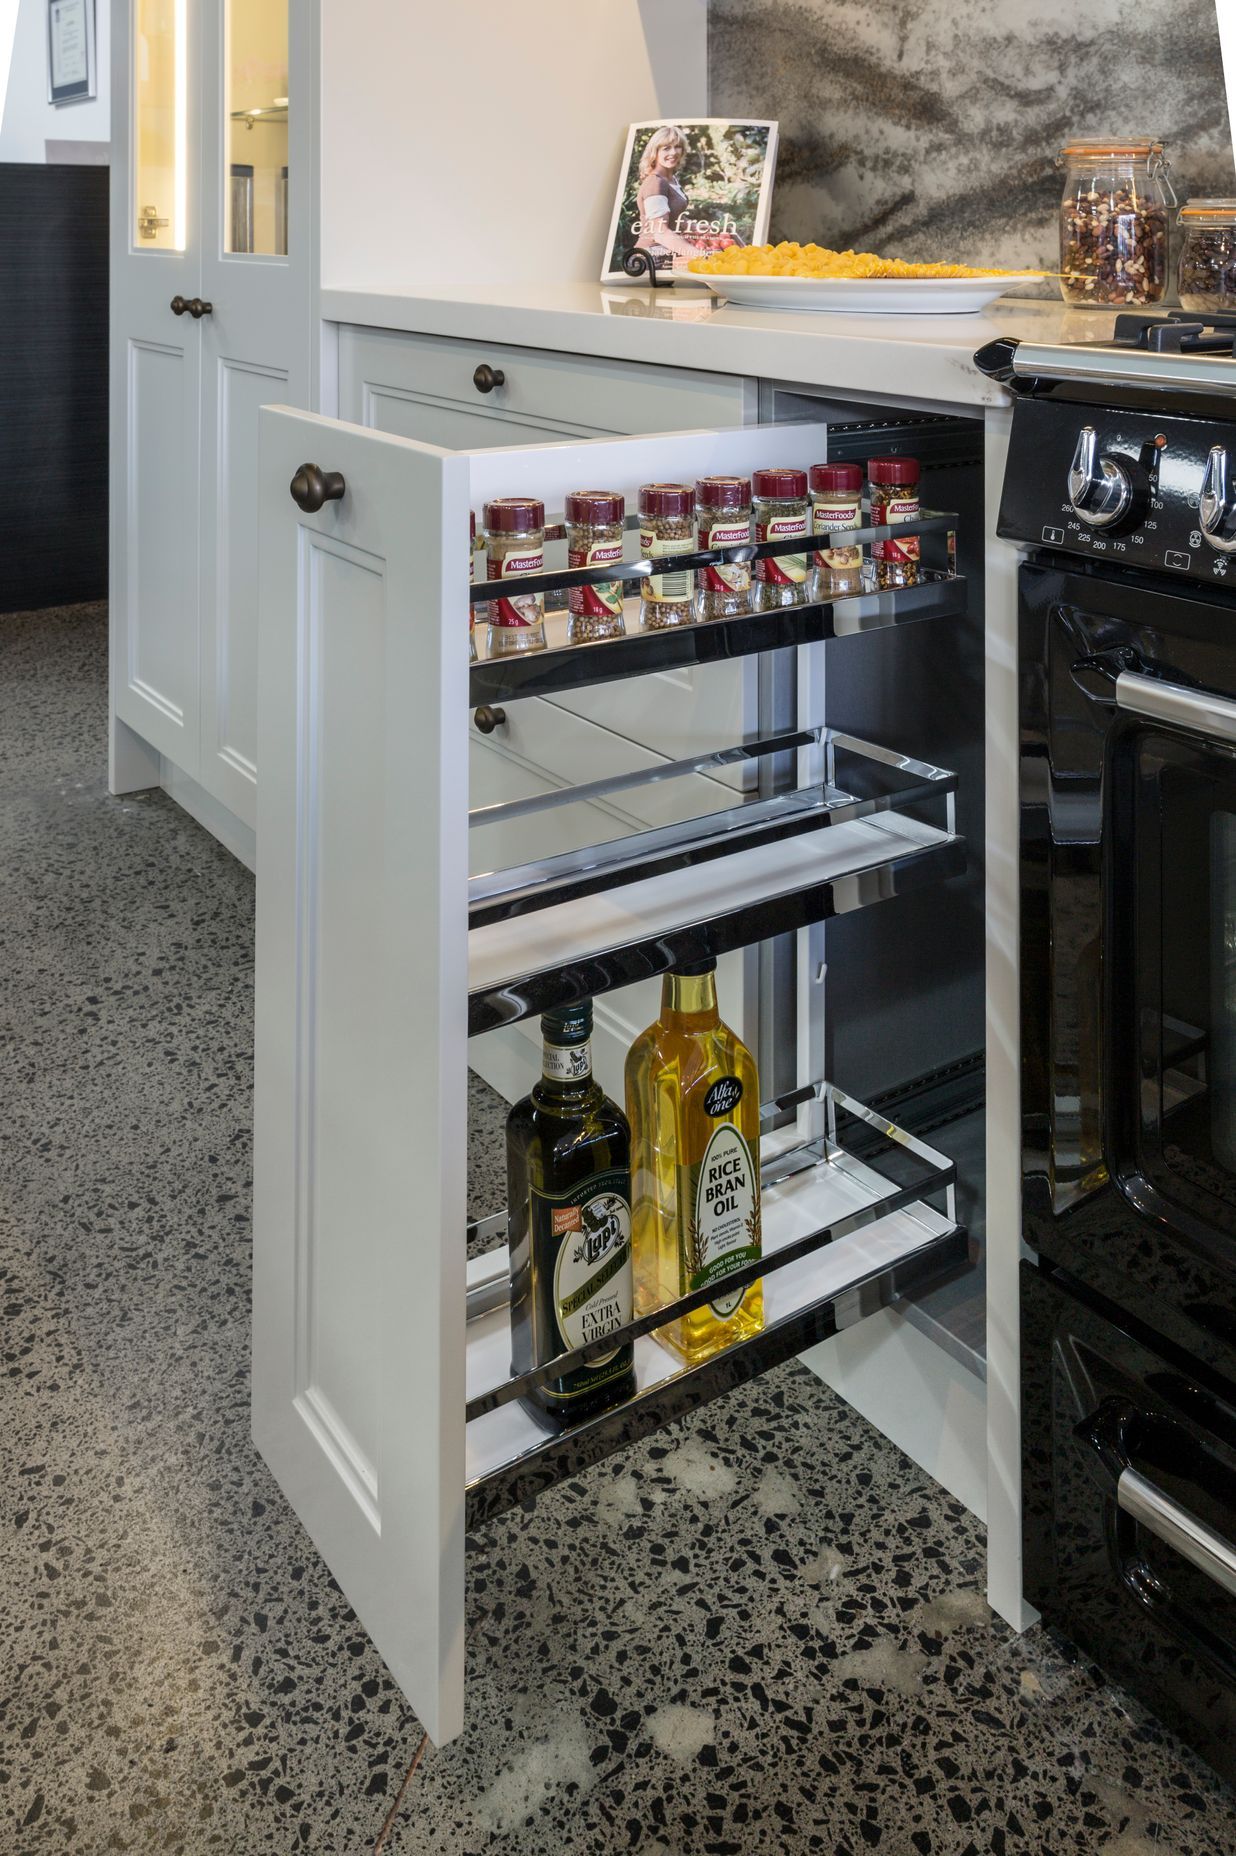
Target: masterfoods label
x=529 y=608
x=603 y=599
x=896 y=509
x=830 y=514
x=725 y=1225
x=588 y=1229
x=782 y=569
x=730 y=578
x=665 y=586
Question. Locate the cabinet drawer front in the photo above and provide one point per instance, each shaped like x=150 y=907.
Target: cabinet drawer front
x=578 y=395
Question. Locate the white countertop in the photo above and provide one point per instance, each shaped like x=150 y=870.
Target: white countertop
x=907 y=357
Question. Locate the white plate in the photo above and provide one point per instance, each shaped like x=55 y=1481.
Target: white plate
x=884 y=296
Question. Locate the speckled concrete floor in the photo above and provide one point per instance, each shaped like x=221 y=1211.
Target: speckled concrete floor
x=763 y=1631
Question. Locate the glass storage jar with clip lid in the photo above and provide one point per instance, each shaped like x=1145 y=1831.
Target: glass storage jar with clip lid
x=1207 y=274
x=1114 y=221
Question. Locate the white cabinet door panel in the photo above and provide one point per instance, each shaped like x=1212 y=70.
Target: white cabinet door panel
x=358 y=1373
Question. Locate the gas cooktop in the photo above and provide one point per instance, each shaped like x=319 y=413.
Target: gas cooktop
x=1174 y=353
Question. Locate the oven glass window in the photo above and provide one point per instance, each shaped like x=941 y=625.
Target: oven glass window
x=1184 y=875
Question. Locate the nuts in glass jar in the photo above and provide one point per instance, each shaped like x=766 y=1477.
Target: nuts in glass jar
x=1113 y=222
x=665 y=511
x=837 y=503
x=594 y=525
x=1207 y=273
x=894 y=498
x=723 y=520
x=515 y=545
x=779 y=504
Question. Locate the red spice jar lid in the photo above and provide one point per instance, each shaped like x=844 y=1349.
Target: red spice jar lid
x=666 y=499
x=837 y=478
x=781 y=485
x=595 y=507
x=892 y=470
x=515 y=515
x=723 y=492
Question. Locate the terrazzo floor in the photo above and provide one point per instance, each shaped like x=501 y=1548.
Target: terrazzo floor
x=761 y=1632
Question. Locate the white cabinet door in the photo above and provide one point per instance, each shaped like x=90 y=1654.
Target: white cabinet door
x=358 y=1366
x=155 y=374
x=257 y=226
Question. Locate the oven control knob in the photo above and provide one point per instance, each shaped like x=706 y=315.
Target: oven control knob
x=1216 y=506
x=1100 y=490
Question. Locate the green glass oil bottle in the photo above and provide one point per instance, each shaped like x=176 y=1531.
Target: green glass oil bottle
x=568 y=1161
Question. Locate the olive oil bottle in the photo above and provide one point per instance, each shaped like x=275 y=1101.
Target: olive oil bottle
x=693 y=1100
x=568 y=1165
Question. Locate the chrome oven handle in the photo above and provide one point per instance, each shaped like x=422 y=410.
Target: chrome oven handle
x=1197 y=710
x=1177 y=1528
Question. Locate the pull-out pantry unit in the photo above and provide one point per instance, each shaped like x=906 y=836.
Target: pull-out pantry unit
x=384 y=1399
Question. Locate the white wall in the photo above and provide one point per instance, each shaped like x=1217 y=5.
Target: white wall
x=29 y=121
x=442 y=119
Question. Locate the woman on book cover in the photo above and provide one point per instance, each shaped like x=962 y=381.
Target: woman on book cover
x=661 y=198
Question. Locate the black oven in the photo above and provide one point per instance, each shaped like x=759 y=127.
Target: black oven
x=1129 y=946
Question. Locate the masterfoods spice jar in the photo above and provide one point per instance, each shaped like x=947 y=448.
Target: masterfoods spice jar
x=515 y=544
x=723 y=520
x=1114 y=221
x=594 y=525
x=837 y=503
x=1207 y=274
x=665 y=512
x=894 y=498
x=779 y=505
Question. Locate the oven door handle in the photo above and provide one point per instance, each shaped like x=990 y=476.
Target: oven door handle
x=1196 y=710
x=1177 y=1528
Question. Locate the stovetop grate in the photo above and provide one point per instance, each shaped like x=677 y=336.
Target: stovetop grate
x=1179 y=332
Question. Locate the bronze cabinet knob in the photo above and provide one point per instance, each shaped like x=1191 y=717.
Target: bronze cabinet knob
x=198 y=309
x=179 y=305
x=486 y=378
x=312 y=487
x=486 y=719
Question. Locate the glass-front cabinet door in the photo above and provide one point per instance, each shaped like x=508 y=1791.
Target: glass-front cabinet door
x=160 y=124
x=257 y=102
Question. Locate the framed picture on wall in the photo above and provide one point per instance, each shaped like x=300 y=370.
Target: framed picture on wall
x=688 y=188
x=72 y=75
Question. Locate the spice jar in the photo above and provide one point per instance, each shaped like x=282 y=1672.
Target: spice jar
x=665 y=511
x=515 y=544
x=836 y=503
x=471 y=580
x=1114 y=222
x=723 y=520
x=1207 y=274
x=894 y=498
x=594 y=525
x=779 y=505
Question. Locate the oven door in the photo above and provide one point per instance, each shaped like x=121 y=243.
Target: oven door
x=1129 y=947
x=1129 y=1491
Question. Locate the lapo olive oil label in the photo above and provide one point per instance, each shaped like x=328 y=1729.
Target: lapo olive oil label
x=592 y=1273
x=725 y=1225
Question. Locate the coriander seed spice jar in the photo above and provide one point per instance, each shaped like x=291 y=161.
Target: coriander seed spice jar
x=779 y=506
x=594 y=528
x=837 y=503
x=515 y=545
x=1114 y=221
x=894 y=499
x=665 y=527
x=723 y=520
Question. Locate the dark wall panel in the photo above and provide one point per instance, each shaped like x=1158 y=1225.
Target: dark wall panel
x=53 y=385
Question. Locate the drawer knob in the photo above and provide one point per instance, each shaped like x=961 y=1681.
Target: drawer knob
x=486 y=378
x=486 y=719
x=312 y=488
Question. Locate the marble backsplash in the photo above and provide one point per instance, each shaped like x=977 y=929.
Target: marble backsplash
x=928 y=128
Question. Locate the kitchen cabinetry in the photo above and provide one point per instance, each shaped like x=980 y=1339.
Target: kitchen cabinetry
x=212 y=302
x=383 y=1397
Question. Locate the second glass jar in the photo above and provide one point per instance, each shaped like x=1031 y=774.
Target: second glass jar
x=1207 y=274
